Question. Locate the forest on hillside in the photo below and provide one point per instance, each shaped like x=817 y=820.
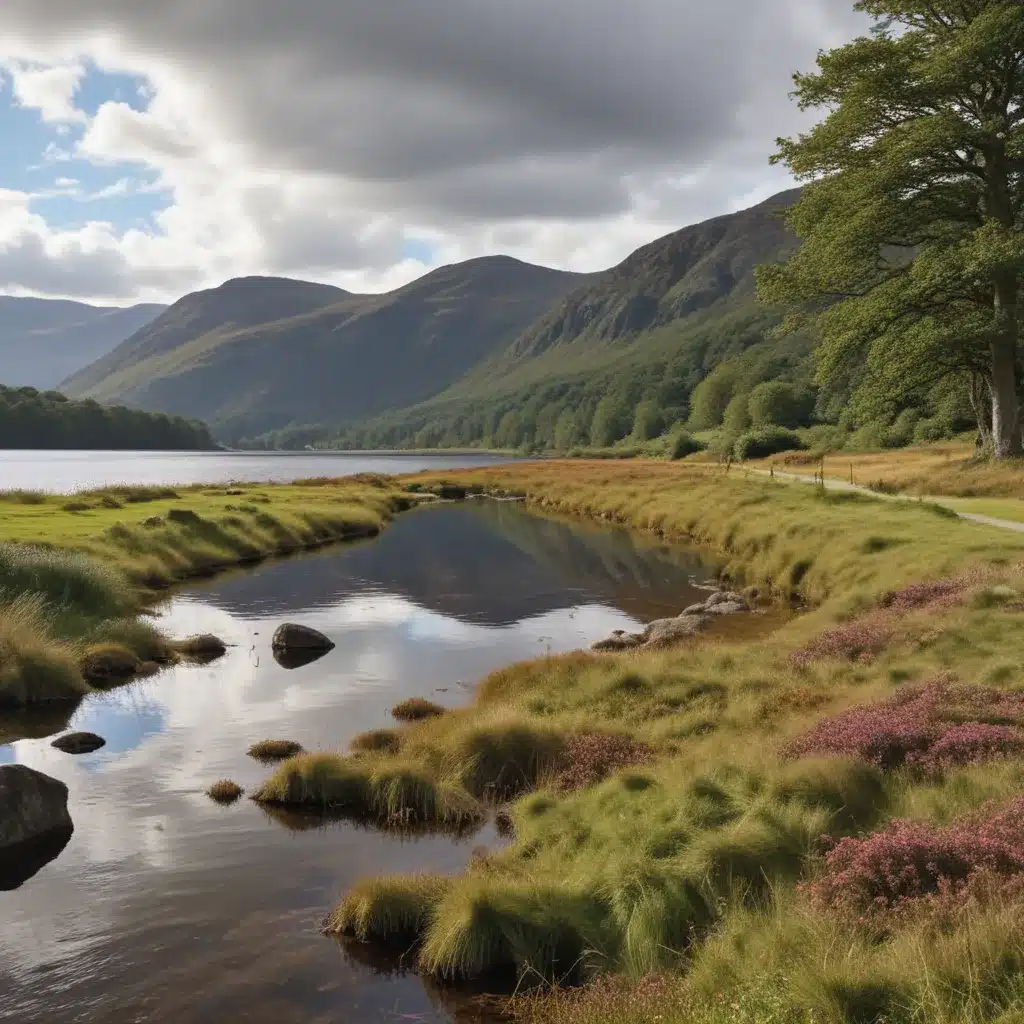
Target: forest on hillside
x=30 y=418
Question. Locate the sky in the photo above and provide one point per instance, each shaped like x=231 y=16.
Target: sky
x=152 y=147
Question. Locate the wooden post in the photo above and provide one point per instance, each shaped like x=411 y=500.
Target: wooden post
x=851 y=472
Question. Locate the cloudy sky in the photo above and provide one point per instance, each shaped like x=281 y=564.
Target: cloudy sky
x=150 y=147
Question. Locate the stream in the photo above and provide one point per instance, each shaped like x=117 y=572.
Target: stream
x=164 y=906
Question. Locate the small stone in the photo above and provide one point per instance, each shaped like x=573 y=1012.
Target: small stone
x=79 y=743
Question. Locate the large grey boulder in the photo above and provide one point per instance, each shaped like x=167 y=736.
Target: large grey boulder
x=31 y=806
x=293 y=637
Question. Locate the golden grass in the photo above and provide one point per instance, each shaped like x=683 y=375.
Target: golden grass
x=274 y=750
x=224 y=791
x=416 y=709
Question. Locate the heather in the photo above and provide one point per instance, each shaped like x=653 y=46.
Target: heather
x=932 y=728
x=908 y=861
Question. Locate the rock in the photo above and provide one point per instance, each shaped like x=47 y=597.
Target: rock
x=31 y=805
x=22 y=861
x=728 y=608
x=623 y=642
x=291 y=637
x=724 y=597
x=694 y=609
x=79 y=742
x=665 y=632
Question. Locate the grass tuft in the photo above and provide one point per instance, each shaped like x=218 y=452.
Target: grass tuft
x=416 y=709
x=225 y=791
x=274 y=750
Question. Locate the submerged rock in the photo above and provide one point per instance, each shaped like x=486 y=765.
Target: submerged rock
x=31 y=805
x=291 y=637
x=79 y=743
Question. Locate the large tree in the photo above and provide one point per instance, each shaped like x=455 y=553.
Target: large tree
x=912 y=251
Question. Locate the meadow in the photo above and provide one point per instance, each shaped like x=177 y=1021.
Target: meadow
x=817 y=825
x=77 y=571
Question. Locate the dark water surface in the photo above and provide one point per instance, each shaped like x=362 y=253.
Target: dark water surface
x=64 y=471
x=166 y=907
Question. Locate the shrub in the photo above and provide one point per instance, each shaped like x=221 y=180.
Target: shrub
x=765 y=441
x=910 y=860
x=683 y=444
x=859 y=640
x=589 y=758
x=870 y=437
x=778 y=403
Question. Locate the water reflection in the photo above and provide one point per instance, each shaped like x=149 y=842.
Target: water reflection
x=20 y=863
x=198 y=912
x=293 y=658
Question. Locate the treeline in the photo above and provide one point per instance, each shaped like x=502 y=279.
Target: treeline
x=761 y=400
x=47 y=419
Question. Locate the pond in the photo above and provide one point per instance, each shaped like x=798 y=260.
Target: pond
x=166 y=907
x=59 y=472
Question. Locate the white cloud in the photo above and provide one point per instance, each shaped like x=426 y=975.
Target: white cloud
x=48 y=90
x=317 y=146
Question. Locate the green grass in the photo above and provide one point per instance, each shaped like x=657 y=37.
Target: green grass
x=689 y=865
x=75 y=573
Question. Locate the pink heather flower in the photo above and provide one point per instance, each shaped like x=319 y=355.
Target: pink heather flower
x=911 y=861
x=933 y=727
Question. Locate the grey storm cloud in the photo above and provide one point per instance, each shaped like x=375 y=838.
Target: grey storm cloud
x=478 y=109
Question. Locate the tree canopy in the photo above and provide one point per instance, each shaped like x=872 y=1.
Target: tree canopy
x=912 y=252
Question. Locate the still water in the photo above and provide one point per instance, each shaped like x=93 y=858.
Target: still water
x=165 y=907
x=65 y=471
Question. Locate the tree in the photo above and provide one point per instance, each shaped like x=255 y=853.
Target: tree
x=648 y=420
x=712 y=395
x=778 y=403
x=912 y=250
x=610 y=422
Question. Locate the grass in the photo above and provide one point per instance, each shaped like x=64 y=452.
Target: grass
x=415 y=709
x=683 y=856
x=225 y=791
x=77 y=572
x=274 y=750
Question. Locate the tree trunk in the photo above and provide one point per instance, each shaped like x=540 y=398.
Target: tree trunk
x=1006 y=436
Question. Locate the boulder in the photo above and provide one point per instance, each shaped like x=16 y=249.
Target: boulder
x=203 y=647
x=728 y=608
x=619 y=641
x=109 y=663
x=31 y=806
x=694 y=609
x=665 y=632
x=292 y=637
x=79 y=742
x=725 y=597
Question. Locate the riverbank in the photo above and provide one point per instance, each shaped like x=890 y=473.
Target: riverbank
x=668 y=807
x=76 y=571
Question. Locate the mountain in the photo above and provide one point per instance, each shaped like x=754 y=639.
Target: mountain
x=260 y=354
x=42 y=341
x=650 y=328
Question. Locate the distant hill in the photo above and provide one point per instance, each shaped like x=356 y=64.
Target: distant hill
x=261 y=354
x=46 y=419
x=650 y=329
x=43 y=341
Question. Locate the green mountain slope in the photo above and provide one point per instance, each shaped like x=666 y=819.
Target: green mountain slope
x=42 y=341
x=648 y=330
x=349 y=358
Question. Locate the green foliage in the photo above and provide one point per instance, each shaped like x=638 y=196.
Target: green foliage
x=682 y=444
x=912 y=254
x=34 y=419
x=780 y=404
x=610 y=423
x=765 y=441
x=712 y=396
x=648 y=420
x=737 y=416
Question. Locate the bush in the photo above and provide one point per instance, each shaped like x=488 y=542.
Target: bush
x=765 y=441
x=901 y=433
x=870 y=437
x=736 y=418
x=682 y=444
x=778 y=403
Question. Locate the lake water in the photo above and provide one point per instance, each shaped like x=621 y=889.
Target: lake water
x=64 y=471
x=164 y=907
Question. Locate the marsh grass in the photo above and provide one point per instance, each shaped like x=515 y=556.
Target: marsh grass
x=416 y=709
x=274 y=750
x=393 y=909
x=225 y=791
x=377 y=741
